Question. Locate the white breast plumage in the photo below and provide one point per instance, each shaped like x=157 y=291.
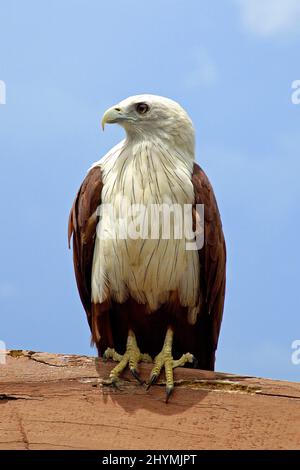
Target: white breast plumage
x=149 y=270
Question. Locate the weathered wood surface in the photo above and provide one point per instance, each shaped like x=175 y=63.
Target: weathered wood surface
x=50 y=401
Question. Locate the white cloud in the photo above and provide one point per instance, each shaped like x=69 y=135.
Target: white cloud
x=203 y=70
x=270 y=17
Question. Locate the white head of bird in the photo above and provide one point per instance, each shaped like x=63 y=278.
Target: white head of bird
x=155 y=119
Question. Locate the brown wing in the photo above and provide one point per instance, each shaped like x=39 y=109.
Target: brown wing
x=82 y=225
x=212 y=259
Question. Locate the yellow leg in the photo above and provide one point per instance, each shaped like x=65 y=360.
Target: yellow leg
x=131 y=358
x=165 y=358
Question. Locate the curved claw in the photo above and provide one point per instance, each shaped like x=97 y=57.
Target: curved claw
x=131 y=357
x=152 y=381
x=136 y=375
x=195 y=363
x=116 y=385
x=169 y=391
x=113 y=382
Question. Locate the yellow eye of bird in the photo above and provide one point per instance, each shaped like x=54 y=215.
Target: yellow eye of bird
x=142 y=108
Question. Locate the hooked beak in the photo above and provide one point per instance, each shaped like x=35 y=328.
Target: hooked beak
x=113 y=115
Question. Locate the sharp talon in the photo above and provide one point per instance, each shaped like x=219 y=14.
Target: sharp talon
x=116 y=385
x=169 y=390
x=136 y=375
x=195 y=363
x=153 y=379
x=165 y=360
x=131 y=357
x=107 y=382
x=112 y=382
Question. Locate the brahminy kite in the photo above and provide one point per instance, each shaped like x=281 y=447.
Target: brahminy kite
x=149 y=298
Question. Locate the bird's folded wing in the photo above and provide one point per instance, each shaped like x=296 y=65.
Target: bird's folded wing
x=83 y=222
x=212 y=255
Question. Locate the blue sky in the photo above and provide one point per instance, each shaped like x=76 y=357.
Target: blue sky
x=231 y=65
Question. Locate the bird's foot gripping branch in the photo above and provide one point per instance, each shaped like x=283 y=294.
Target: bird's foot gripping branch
x=130 y=359
x=165 y=359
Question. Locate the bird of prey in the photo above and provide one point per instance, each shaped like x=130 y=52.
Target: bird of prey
x=149 y=298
